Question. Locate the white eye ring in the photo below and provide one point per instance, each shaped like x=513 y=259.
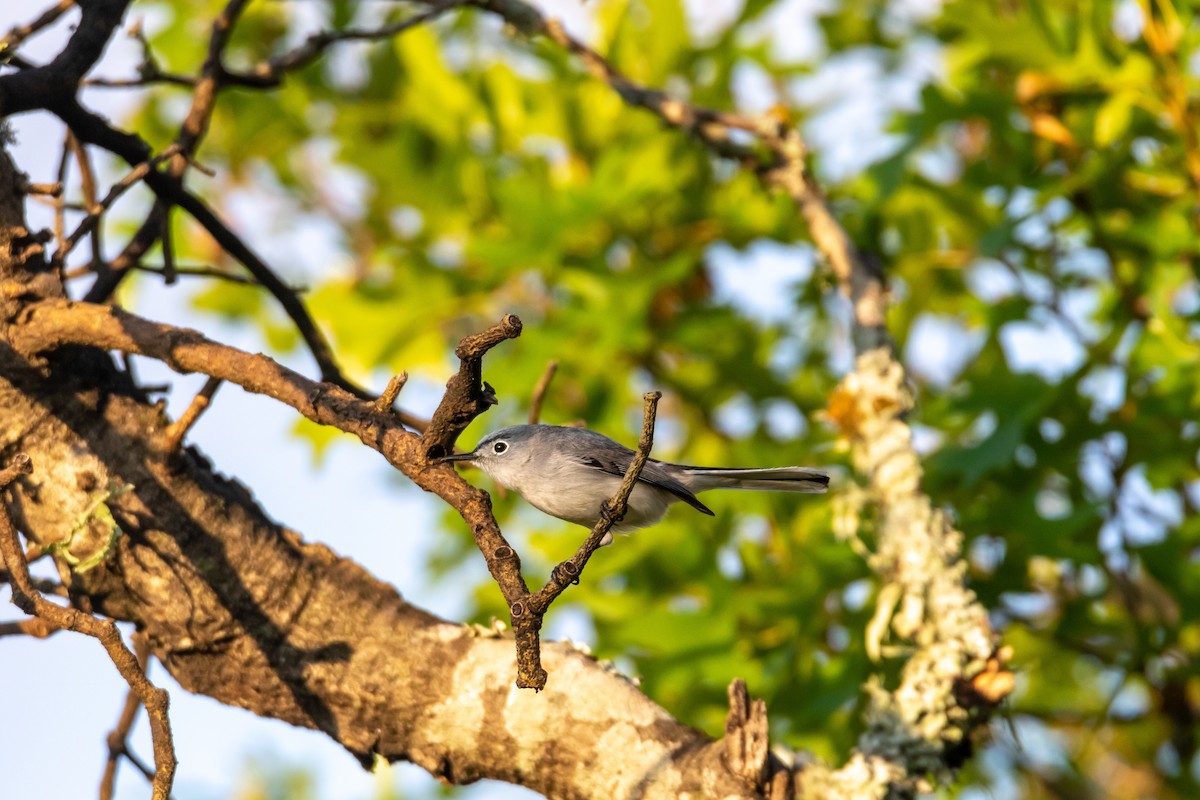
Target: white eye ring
x=499 y=447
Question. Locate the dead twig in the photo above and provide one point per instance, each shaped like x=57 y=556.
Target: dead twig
x=36 y=627
x=87 y=187
x=142 y=80
x=166 y=242
x=42 y=189
x=149 y=71
x=195 y=272
x=118 y=738
x=386 y=400
x=172 y=435
x=19 y=33
x=60 y=202
x=467 y=394
x=26 y=597
x=539 y=392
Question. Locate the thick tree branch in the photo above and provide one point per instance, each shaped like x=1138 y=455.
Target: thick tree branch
x=248 y=614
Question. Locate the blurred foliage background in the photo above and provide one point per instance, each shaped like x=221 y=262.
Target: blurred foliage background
x=1027 y=173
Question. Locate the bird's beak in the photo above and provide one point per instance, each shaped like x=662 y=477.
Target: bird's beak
x=458 y=457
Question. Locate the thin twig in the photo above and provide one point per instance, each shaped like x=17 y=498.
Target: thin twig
x=386 y=400
x=60 y=202
x=206 y=272
x=140 y=81
x=269 y=73
x=96 y=210
x=42 y=189
x=783 y=163
x=166 y=242
x=26 y=597
x=149 y=72
x=36 y=627
x=539 y=392
x=568 y=572
x=185 y=271
x=172 y=435
x=87 y=187
x=117 y=739
x=19 y=33
x=43 y=585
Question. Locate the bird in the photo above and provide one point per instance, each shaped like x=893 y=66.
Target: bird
x=571 y=473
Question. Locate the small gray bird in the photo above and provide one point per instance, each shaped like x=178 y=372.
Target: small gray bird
x=570 y=472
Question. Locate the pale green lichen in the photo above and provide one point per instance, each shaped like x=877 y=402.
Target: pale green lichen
x=923 y=600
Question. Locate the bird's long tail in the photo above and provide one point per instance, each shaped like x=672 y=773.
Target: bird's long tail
x=773 y=479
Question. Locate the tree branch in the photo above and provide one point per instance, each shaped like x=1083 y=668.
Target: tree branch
x=269 y=74
x=785 y=165
x=97 y=209
x=94 y=130
x=172 y=436
x=467 y=395
x=249 y=614
x=51 y=85
x=26 y=597
x=19 y=33
x=117 y=739
x=612 y=512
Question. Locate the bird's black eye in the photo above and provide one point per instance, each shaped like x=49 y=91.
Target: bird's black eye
x=499 y=447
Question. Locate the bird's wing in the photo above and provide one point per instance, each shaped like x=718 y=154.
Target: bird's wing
x=653 y=474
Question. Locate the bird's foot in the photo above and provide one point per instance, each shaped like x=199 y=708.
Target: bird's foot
x=565 y=573
x=610 y=514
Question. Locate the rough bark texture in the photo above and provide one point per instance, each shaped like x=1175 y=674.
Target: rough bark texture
x=242 y=610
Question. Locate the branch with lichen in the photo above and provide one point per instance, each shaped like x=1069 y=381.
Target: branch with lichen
x=953 y=676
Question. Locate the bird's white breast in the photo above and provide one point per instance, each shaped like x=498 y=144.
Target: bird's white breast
x=568 y=490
